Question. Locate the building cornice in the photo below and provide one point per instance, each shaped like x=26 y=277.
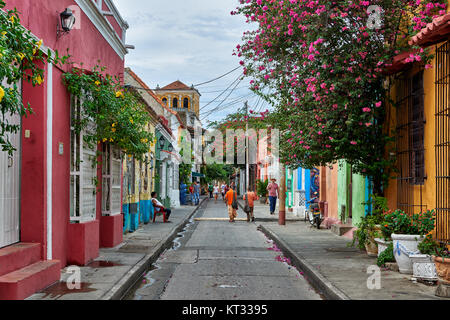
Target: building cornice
x=103 y=26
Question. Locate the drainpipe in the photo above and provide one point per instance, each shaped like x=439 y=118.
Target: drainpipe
x=49 y=158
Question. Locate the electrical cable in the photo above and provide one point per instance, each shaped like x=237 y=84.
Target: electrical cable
x=203 y=107
x=200 y=84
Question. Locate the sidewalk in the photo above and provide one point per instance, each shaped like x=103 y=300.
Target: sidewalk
x=117 y=269
x=338 y=271
x=262 y=212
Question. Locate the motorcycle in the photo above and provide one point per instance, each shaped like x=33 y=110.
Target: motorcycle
x=314 y=215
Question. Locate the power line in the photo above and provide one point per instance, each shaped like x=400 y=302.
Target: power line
x=246 y=87
x=200 y=84
x=216 y=108
x=202 y=108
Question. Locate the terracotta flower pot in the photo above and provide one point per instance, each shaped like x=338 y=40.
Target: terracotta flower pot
x=442 y=269
x=371 y=248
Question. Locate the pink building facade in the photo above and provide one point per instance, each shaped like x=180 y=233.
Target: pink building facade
x=48 y=236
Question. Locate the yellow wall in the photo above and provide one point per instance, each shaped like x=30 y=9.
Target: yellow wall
x=429 y=187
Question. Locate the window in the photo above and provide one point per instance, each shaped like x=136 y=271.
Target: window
x=186 y=103
x=175 y=103
x=83 y=170
x=410 y=141
x=418 y=128
x=111 y=175
x=164 y=100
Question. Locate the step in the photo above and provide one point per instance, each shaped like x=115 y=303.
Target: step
x=18 y=256
x=22 y=283
x=340 y=229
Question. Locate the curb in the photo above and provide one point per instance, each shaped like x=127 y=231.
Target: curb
x=328 y=289
x=123 y=286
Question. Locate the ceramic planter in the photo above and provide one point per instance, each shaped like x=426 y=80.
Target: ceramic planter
x=405 y=245
x=371 y=248
x=442 y=269
x=423 y=267
x=382 y=245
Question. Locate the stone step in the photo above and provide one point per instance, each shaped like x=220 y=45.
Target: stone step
x=18 y=256
x=22 y=283
x=341 y=229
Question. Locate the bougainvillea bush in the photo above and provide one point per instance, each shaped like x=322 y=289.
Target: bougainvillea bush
x=324 y=64
x=21 y=58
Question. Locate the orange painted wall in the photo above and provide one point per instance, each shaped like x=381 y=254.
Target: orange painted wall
x=328 y=189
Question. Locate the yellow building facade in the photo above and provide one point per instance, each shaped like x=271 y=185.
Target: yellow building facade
x=421 y=120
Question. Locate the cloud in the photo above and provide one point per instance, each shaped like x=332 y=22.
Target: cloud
x=187 y=40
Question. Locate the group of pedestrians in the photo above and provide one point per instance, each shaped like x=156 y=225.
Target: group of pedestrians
x=194 y=191
x=230 y=198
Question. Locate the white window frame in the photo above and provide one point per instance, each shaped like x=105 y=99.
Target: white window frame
x=108 y=180
x=76 y=170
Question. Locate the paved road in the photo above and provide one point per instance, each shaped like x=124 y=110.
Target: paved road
x=217 y=260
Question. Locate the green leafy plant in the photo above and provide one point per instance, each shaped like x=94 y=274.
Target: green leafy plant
x=428 y=245
x=367 y=231
x=21 y=58
x=399 y=222
x=119 y=117
x=386 y=256
x=261 y=188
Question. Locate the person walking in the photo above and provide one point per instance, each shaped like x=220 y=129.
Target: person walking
x=222 y=187
x=216 y=192
x=210 y=189
x=250 y=197
x=273 y=194
x=196 y=193
x=229 y=198
x=191 y=192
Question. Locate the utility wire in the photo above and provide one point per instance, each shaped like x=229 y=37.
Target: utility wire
x=203 y=107
x=200 y=84
x=216 y=108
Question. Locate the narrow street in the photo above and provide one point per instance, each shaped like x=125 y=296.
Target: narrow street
x=217 y=260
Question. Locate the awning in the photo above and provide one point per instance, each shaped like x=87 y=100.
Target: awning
x=436 y=31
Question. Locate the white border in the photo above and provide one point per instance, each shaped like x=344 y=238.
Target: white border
x=103 y=26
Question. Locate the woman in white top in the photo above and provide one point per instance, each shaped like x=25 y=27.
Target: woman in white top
x=216 y=192
x=158 y=206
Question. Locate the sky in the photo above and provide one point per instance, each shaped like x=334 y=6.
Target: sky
x=191 y=41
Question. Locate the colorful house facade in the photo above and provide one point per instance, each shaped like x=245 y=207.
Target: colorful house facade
x=58 y=215
x=421 y=119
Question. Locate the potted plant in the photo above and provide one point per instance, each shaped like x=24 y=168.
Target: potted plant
x=441 y=260
x=261 y=189
x=407 y=231
x=378 y=207
x=423 y=265
x=366 y=233
x=386 y=255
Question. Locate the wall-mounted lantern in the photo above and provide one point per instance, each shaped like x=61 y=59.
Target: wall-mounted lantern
x=65 y=25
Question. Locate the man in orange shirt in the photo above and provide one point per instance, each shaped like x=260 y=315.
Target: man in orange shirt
x=251 y=197
x=229 y=196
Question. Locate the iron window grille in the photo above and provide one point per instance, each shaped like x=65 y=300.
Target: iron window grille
x=410 y=141
x=442 y=148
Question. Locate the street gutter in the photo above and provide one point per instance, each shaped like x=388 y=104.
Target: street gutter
x=129 y=280
x=317 y=280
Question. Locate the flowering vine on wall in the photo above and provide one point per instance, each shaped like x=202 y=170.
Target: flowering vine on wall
x=21 y=58
x=120 y=118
